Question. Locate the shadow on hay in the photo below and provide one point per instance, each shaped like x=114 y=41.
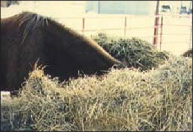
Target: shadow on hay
x=28 y=37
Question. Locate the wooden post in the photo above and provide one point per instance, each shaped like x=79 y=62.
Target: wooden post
x=125 y=27
x=155 y=40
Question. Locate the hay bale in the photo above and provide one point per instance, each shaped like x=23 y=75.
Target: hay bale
x=133 y=52
x=125 y=99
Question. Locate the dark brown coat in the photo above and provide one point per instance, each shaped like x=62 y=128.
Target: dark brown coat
x=188 y=53
x=28 y=37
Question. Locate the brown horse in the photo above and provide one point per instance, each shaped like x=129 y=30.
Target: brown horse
x=28 y=37
x=188 y=53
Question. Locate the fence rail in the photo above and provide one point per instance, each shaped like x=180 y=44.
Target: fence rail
x=161 y=27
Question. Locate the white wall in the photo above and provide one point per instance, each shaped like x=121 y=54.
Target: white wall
x=47 y=8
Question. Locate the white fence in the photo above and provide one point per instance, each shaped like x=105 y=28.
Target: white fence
x=174 y=32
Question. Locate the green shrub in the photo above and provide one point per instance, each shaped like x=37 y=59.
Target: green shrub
x=133 y=52
x=124 y=99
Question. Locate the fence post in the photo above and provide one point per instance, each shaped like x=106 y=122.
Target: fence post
x=155 y=39
x=161 y=32
x=156 y=28
x=190 y=37
x=125 y=27
x=83 y=25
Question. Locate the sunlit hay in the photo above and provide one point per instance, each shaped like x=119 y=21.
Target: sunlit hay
x=126 y=99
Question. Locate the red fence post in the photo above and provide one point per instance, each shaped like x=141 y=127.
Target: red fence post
x=161 y=32
x=155 y=39
x=156 y=28
x=125 y=27
x=83 y=25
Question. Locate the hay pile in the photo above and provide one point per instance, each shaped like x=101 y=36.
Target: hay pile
x=133 y=52
x=127 y=99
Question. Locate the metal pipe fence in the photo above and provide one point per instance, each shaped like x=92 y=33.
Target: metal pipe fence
x=157 y=37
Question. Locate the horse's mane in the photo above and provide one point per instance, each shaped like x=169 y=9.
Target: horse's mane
x=27 y=37
x=33 y=21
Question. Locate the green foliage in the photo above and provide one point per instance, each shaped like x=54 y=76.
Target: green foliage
x=133 y=52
